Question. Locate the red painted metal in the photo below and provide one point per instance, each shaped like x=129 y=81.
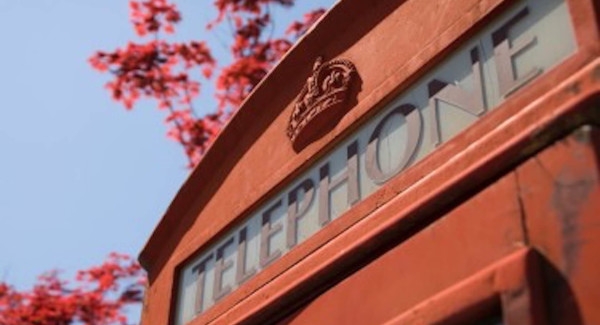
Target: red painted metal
x=501 y=221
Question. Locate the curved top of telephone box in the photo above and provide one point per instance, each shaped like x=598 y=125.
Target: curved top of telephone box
x=377 y=122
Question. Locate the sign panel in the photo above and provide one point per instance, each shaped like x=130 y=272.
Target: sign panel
x=521 y=44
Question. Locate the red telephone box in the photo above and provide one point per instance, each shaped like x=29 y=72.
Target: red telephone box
x=408 y=162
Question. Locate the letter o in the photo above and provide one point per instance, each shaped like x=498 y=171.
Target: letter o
x=414 y=124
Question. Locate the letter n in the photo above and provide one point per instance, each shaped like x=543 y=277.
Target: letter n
x=469 y=101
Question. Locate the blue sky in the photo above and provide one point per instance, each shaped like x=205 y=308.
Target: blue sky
x=79 y=175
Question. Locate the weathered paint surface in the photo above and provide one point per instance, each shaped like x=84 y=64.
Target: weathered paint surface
x=560 y=192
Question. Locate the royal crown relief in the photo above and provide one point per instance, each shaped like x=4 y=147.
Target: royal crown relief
x=322 y=101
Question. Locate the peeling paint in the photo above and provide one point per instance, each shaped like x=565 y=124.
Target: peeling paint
x=571 y=191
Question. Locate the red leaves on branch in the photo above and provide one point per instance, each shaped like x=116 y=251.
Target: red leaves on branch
x=155 y=69
x=154 y=15
x=162 y=70
x=99 y=296
x=240 y=7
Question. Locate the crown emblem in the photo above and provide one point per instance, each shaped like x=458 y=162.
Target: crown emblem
x=320 y=100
